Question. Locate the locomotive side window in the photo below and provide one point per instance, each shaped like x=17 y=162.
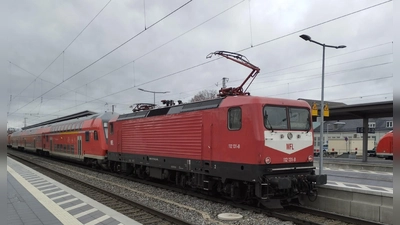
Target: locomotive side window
x=234 y=118
x=95 y=136
x=87 y=136
x=275 y=118
x=111 y=128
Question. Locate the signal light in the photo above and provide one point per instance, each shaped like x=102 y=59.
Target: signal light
x=267 y=160
x=310 y=158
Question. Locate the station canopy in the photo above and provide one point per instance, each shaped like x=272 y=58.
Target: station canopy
x=342 y=111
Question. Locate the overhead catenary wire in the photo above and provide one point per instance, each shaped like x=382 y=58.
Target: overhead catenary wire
x=329 y=74
x=62 y=53
x=143 y=55
x=336 y=85
x=274 y=39
x=294 y=72
x=266 y=81
x=303 y=78
x=307 y=77
x=329 y=57
x=255 y=46
x=25 y=70
x=158 y=47
x=337 y=64
x=316 y=25
x=162 y=45
x=107 y=53
x=130 y=88
x=144 y=13
x=251 y=30
x=364 y=96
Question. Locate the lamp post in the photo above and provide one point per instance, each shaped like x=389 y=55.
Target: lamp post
x=308 y=38
x=154 y=92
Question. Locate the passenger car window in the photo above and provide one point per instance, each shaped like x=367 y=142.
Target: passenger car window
x=87 y=137
x=95 y=136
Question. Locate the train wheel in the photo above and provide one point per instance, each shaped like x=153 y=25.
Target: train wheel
x=183 y=181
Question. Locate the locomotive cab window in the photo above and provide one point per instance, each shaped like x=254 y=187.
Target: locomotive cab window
x=87 y=136
x=275 y=118
x=235 y=118
x=283 y=118
x=299 y=119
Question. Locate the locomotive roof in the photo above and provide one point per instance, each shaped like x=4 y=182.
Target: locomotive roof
x=211 y=104
x=208 y=104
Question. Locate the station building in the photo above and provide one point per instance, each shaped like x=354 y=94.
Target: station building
x=341 y=129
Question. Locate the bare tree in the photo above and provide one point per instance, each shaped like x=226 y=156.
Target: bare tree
x=204 y=95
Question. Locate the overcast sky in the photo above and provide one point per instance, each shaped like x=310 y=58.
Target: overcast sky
x=54 y=66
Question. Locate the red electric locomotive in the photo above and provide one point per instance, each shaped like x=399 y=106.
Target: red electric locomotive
x=384 y=149
x=243 y=147
x=83 y=139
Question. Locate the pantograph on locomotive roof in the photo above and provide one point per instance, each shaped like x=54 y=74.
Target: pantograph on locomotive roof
x=236 y=57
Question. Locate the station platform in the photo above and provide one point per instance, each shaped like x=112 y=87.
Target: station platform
x=35 y=199
x=373 y=164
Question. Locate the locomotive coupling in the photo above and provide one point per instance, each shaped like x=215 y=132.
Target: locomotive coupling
x=318 y=179
x=281 y=182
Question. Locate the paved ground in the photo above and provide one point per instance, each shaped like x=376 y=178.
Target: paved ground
x=23 y=208
x=370 y=160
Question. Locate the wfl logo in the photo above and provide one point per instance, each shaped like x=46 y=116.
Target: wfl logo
x=289 y=146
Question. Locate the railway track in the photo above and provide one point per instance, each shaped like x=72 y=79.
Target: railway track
x=131 y=209
x=294 y=213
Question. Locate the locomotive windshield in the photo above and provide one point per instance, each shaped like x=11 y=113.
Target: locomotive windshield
x=286 y=118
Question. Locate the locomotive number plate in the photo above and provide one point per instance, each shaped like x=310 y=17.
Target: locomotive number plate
x=234 y=145
x=291 y=159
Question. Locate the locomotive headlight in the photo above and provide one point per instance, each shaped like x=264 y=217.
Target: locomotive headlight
x=289 y=135
x=267 y=160
x=310 y=158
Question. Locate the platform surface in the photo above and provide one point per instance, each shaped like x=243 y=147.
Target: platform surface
x=36 y=199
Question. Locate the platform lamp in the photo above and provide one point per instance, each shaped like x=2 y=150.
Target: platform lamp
x=154 y=92
x=308 y=38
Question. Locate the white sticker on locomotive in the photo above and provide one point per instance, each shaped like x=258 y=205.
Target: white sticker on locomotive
x=234 y=145
x=289 y=144
x=289 y=159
